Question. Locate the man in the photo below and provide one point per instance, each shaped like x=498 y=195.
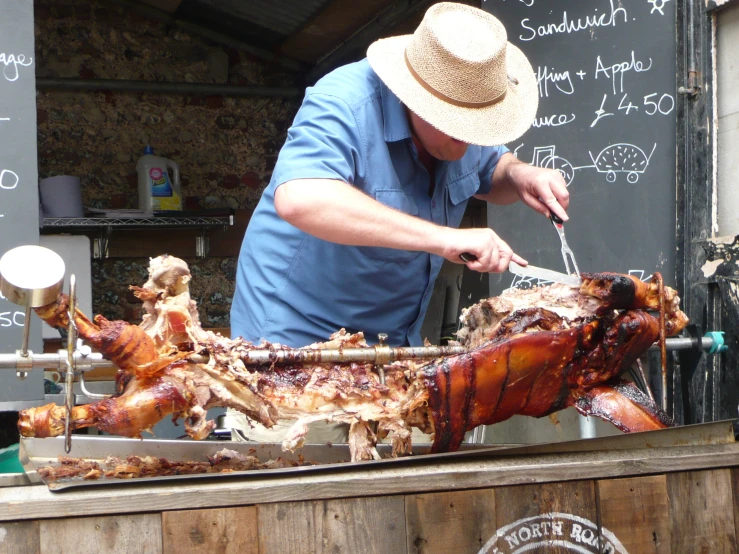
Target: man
x=374 y=178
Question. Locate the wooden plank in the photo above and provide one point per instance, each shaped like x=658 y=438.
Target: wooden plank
x=119 y=534
x=459 y=521
x=556 y=518
x=169 y=6
x=702 y=511
x=377 y=524
x=21 y=503
x=735 y=494
x=636 y=511
x=290 y=527
x=19 y=538
x=368 y=525
x=216 y=531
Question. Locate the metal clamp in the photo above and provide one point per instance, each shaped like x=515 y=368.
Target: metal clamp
x=717 y=344
x=24 y=362
x=383 y=355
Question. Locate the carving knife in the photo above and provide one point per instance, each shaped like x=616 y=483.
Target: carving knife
x=531 y=271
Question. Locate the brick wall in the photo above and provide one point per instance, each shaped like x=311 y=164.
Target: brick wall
x=225 y=147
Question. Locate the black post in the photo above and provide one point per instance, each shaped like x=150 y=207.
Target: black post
x=695 y=383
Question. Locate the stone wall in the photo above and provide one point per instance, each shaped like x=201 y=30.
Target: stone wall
x=225 y=146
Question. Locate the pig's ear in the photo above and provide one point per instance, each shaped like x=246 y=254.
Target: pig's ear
x=624 y=405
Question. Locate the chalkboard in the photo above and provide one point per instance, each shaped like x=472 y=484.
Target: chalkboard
x=606 y=119
x=19 y=218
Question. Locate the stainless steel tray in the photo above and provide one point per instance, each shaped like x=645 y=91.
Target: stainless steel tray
x=37 y=453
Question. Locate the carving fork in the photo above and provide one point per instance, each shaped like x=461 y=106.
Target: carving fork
x=566 y=250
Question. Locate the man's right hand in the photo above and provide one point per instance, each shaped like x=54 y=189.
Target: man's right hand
x=492 y=253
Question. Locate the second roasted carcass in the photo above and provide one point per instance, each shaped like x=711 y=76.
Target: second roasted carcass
x=529 y=352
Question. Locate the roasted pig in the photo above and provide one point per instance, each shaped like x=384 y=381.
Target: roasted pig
x=529 y=352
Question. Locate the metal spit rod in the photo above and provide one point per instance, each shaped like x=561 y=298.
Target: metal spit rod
x=380 y=354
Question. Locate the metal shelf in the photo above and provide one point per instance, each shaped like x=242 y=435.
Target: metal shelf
x=103 y=227
x=59 y=223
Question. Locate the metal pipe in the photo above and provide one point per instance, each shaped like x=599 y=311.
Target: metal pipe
x=680 y=343
x=69 y=377
x=89 y=394
x=26 y=326
x=44 y=361
x=157 y=87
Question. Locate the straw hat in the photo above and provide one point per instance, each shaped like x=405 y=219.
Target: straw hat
x=460 y=74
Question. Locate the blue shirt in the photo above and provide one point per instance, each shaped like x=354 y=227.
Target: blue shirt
x=294 y=288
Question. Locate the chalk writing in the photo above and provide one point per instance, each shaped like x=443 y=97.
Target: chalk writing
x=10 y=319
x=658 y=6
x=11 y=63
x=561 y=81
x=600 y=113
x=554 y=120
x=616 y=71
x=567 y=25
x=8 y=179
x=664 y=105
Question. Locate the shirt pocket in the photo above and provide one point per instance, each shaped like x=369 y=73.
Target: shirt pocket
x=460 y=191
x=400 y=201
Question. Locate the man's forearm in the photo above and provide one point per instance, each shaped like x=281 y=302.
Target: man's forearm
x=337 y=212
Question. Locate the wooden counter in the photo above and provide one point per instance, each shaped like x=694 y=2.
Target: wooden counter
x=677 y=499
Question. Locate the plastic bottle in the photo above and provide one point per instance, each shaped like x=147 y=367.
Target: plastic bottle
x=157 y=192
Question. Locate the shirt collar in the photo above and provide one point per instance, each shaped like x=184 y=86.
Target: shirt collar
x=394 y=115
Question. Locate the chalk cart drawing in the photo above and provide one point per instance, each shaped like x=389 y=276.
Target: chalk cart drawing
x=544 y=156
x=616 y=158
x=621 y=158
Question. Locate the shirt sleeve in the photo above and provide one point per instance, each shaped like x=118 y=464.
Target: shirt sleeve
x=322 y=143
x=489 y=156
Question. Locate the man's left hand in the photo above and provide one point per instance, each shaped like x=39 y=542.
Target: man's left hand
x=544 y=190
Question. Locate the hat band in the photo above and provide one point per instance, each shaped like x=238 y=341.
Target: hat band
x=444 y=97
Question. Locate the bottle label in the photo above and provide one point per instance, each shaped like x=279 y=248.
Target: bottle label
x=160 y=186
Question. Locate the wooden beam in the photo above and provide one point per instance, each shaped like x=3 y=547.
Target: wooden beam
x=336 y=23
x=355 y=47
x=169 y=6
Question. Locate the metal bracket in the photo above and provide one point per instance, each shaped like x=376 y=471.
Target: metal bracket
x=692 y=89
x=101 y=242
x=201 y=244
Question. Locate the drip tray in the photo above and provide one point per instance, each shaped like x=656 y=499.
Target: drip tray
x=183 y=457
x=135 y=461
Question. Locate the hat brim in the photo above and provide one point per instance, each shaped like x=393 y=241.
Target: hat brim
x=492 y=125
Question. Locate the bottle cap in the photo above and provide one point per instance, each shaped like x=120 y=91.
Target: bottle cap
x=148 y=150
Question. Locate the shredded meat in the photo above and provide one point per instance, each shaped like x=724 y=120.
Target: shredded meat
x=224 y=461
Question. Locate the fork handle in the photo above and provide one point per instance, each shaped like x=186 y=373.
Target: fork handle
x=556 y=219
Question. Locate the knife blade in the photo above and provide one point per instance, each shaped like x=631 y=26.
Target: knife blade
x=543 y=274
